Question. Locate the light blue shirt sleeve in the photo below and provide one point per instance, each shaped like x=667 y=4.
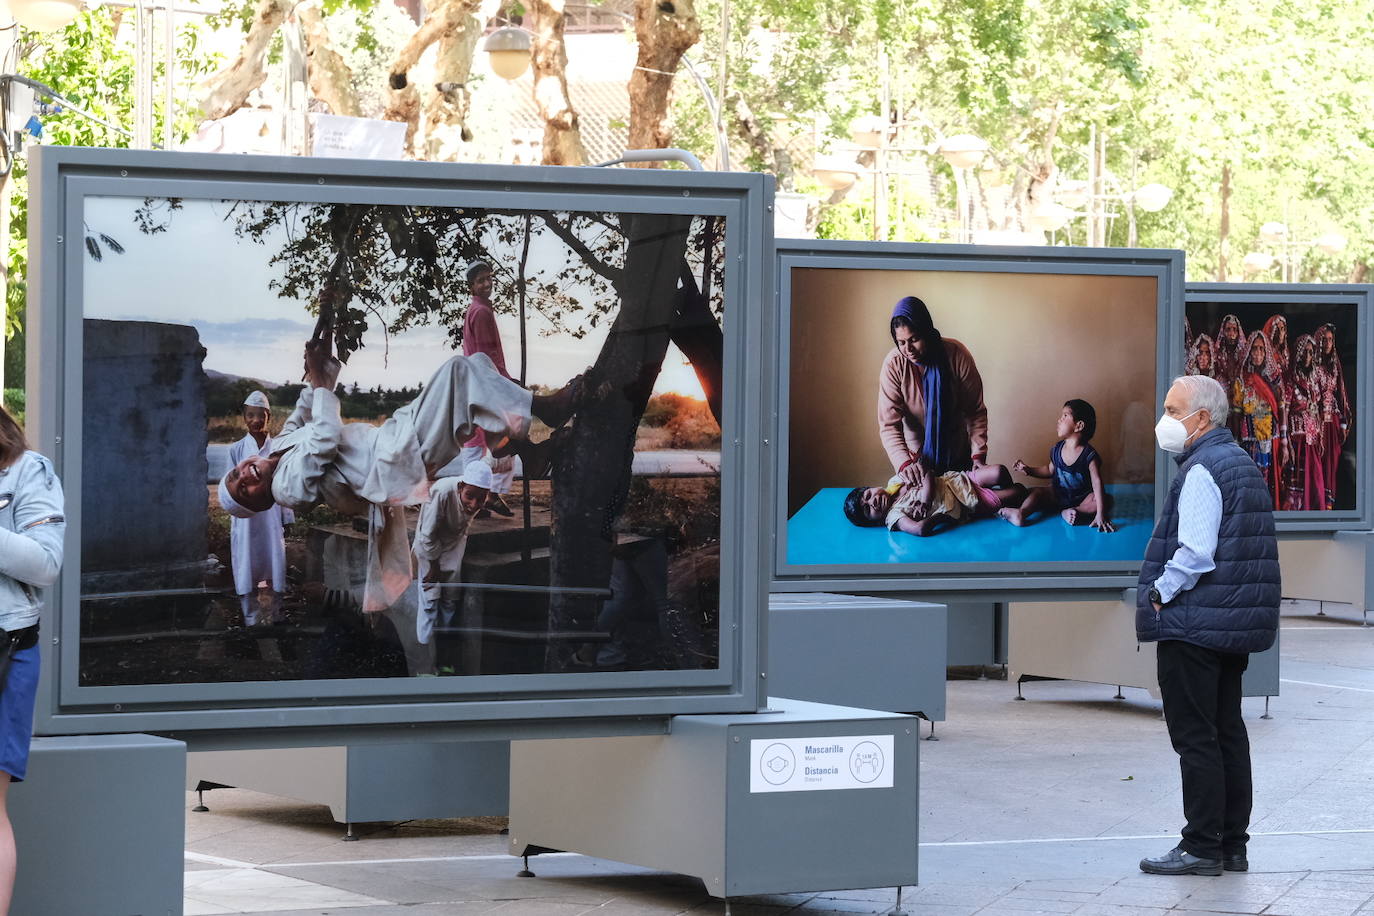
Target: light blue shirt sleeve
x=1199 y=520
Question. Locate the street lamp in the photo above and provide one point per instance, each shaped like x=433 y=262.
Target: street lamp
x=963 y=152
x=1256 y=262
x=509 y=49
x=1152 y=197
x=44 y=15
x=1290 y=256
x=868 y=131
x=836 y=172
x=1332 y=243
x=1050 y=217
x=1274 y=232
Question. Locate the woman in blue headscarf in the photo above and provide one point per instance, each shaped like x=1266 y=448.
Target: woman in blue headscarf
x=930 y=397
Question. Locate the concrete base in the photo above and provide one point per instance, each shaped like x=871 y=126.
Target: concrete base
x=99 y=827
x=1336 y=568
x=385 y=782
x=1095 y=641
x=872 y=653
x=703 y=800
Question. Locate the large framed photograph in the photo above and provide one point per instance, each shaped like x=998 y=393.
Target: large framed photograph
x=965 y=418
x=1293 y=358
x=448 y=442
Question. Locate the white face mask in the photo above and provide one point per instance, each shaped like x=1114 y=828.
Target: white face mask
x=1171 y=434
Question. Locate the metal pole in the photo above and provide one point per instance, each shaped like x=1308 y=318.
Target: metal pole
x=1090 y=224
x=723 y=76
x=142 y=138
x=169 y=37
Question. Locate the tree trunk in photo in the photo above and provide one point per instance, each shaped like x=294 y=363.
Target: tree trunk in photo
x=665 y=30
x=591 y=473
x=228 y=89
x=697 y=334
x=562 y=134
x=331 y=80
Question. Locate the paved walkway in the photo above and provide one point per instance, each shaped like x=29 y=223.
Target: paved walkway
x=1036 y=807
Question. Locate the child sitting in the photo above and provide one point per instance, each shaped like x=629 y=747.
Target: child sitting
x=1074 y=471
x=951 y=498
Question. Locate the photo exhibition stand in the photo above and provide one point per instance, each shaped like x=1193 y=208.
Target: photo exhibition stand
x=871 y=652
x=100 y=826
x=798 y=797
x=114 y=745
x=1335 y=567
x=362 y=783
x=1095 y=641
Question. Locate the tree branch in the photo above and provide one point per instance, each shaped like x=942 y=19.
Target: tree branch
x=576 y=244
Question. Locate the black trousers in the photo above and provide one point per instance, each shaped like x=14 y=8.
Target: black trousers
x=1201 y=692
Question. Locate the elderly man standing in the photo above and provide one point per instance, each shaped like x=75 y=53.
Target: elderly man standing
x=1209 y=596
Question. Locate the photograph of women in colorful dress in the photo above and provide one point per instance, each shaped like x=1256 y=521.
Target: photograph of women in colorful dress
x=1288 y=372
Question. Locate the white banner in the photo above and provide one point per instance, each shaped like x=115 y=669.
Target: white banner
x=340 y=137
x=819 y=764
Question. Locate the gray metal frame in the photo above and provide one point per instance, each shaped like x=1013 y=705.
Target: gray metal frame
x=60 y=180
x=1360 y=296
x=951 y=580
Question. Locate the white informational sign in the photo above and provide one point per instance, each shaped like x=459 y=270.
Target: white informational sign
x=818 y=764
x=340 y=137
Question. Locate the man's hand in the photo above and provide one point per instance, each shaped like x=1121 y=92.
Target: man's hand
x=321 y=369
x=1101 y=524
x=1021 y=467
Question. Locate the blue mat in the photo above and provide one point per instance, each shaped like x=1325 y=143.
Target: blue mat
x=820 y=534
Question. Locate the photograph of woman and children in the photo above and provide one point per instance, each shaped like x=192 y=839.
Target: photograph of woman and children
x=376 y=440
x=1290 y=371
x=969 y=417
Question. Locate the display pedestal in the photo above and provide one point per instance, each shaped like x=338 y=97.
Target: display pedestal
x=872 y=653
x=708 y=799
x=977 y=634
x=1094 y=641
x=1337 y=567
x=362 y=783
x=99 y=826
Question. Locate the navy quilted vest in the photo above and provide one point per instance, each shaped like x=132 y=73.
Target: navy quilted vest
x=1235 y=607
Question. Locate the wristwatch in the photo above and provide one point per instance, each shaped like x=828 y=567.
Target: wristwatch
x=1155 y=596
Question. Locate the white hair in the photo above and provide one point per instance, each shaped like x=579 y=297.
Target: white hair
x=1206 y=394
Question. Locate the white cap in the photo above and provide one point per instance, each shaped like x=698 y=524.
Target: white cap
x=257 y=399
x=477 y=474
x=228 y=504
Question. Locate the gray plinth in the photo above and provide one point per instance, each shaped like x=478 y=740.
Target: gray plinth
x=685 y=802
x=361 y=783
x=1095 y=641
x=1330 y=567
x=100 y=827
x=977 y=633
x=873 y=653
